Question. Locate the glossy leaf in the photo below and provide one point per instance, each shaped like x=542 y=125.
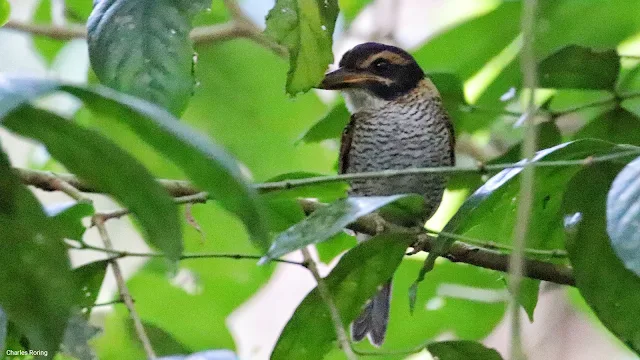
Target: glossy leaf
x=623 y=213
x=208 y=165
x=37 y=289
x=90 y=156
x=579 y=67
x=351 y=283
x=611 y=290
x=305 y=28
x=330 y=126
x=142 y=48
x=325 y=223
x=461 y=349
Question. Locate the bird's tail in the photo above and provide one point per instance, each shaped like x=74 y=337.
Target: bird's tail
x=374 y=318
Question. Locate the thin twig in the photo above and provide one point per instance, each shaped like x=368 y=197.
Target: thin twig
x=122 y=254
x=124 y=293
x=343 y=339
x=523 y=215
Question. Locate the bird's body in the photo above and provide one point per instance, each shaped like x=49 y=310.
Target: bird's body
x=398 y=121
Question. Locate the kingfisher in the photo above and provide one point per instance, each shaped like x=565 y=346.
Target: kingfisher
x=398 y=121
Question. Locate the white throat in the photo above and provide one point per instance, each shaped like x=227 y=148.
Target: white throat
x=358 y=100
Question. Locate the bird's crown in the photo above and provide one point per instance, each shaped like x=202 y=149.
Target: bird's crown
x=384 y=70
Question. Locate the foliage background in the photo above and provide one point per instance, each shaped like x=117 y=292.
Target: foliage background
x=241 y=102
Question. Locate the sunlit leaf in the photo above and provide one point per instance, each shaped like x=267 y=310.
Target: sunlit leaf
x=5 y=10
x=142 y=48
x=611 y=290
x=305 y=28
x=351 y=283
x=623 y=214
x=325 y=223
x=578 y=67
x=458 y=350
x=205 y=355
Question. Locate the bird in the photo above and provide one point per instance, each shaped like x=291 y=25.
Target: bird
x=398 y=121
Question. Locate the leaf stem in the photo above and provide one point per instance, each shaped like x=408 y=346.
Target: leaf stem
x=325 y=294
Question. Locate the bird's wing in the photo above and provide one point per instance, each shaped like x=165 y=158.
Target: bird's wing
x=345 y=145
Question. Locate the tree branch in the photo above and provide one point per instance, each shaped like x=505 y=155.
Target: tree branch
x=368 y=224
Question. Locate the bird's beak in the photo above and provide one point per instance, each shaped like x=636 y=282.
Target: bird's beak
x=342 y=79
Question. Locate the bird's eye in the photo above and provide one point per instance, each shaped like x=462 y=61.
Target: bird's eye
x=380 y=64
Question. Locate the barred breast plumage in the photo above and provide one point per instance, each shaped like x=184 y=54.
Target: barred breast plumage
x=408 y=132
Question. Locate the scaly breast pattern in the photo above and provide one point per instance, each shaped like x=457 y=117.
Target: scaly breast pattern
x=409 y=133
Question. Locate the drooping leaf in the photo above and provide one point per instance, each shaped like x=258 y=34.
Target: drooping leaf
x=351 y=283
x=611 y=290
x=90 y=278
x=461 y=349
x=91 y=156
x=330 y=126
x=208 y=165
x=37 y=290
x=325 y=223
x=305 y=28
x=142 y=48
x=5 y=10
x=579 y=67
x=47 y=48
x=623 y=215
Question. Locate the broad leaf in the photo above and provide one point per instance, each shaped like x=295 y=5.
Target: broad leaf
x=71 y=217
x=325 y=223
x=611 y=290
x=617 y=125
x=208 y=165
x=351 y=8
x=330 y=126
x=109 y=168
x=142 y=48
x=351 y=283
x=305 y=28
x=90 y=278
x=461 y=349
x=623 y=213
x=579 y=67
x=37 y=290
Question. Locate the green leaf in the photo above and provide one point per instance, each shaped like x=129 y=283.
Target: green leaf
x=90 y=278
x=78 y=10
x=142 y=48
x=579 y=67
x=611 y=290
x=305 y=28
x=48 y=48
x=5 y=10
x=351 y=8
x=109 y=168
x=71 y=217
x=330 y=126
x=76 y=338
x=325 y=223
x=632 y=105
x=208 y=165
x=617 y=126
x=466 y=48
x=461 y=349
x=548 y=136
x=328 y=250
x=623 y=212
x=37 y=290
x=353 y=281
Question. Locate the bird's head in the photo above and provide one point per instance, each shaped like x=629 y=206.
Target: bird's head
x=384 y=71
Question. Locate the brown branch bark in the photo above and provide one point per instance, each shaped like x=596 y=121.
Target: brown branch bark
x=368 y=224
